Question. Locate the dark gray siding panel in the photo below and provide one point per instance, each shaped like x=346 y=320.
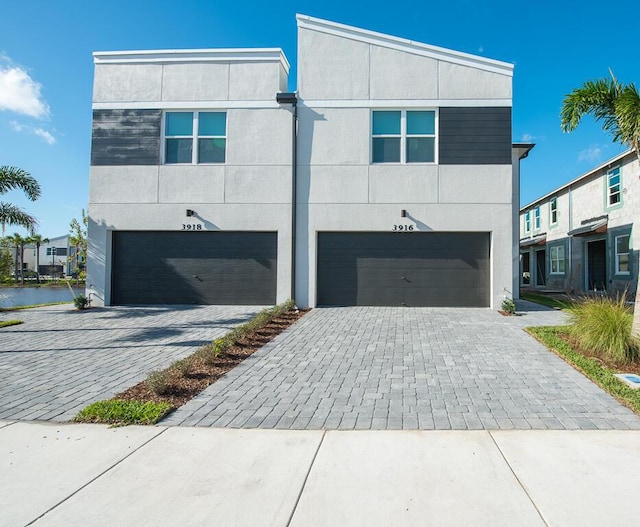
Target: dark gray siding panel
x=126 y=137
x=412 y=269
x=475 y=136
x=227 y=268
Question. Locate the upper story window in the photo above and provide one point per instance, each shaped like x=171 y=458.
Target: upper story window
x=403 y=136
x=536 y=218
x=527 y=221
x=553 y=211
x=56 y=251
x=622 y=254
x=614 y=195
x=195 y=137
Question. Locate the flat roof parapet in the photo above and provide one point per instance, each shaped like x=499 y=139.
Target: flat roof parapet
x=166 y=56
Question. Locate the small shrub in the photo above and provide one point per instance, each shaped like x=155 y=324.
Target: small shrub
x=210 y=353
x=602 y=326
x=159 y=381
x=289 y=305
x=509 y=306
x=235 y=334
x=81 y=302
x=183 y=366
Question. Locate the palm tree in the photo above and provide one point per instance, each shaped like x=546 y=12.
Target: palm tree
x=38 y=240
x=617 y=106
x=18 y=242
x=12 y=178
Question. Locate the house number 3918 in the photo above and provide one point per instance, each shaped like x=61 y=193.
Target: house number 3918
x=399 y=228
x=191 y=227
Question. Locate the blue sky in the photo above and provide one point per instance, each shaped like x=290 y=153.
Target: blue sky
x=46 y=70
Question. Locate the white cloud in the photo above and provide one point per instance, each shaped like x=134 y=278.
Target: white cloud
x=591 y=154
x=45 y=135
x=19 y=93
x=480 y=49
x=40 y=132
x=527 y=138
x=17 y=126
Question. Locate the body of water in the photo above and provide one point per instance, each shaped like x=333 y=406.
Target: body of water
x=27 y=296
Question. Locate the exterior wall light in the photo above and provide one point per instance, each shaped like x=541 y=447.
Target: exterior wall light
x=286 y=98
x=191 y=212
x=403 y=213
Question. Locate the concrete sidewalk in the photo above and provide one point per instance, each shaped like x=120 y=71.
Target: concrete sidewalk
x=64 y=474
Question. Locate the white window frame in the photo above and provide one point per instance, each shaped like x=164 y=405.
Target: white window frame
x=557 y=259
x=403 y=136
x=527 y=221
x=617 y=254
x=194 y=136
x=610 y=193
x=553 y=210
x=537 y=221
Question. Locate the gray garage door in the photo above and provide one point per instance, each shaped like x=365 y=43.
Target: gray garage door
x=194 y=268
x=395 y=269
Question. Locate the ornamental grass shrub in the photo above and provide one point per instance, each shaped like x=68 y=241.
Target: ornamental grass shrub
x=602 y=327
x=159 y=381
x=210 y=353
x=183 y=366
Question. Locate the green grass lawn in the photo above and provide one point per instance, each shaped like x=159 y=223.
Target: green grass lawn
x=117 y=412
x=17 y=308
x=6 y=323
x=546 y=300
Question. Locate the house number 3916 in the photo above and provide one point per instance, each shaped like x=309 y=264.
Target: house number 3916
x=191 y=227
x=399 y=228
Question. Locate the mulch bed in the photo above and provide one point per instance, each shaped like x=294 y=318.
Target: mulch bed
x=627 y=367
x=182 y=388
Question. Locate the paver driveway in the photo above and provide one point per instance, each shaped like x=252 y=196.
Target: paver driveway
x=407 y=368
x=61 y=359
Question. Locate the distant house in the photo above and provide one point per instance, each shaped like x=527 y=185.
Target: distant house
x=56 y=257
x=388 y=178
x=581 y=236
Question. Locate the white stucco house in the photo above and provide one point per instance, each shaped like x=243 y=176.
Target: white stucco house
x=56 y=257
x=581 y=236
x=387 y=178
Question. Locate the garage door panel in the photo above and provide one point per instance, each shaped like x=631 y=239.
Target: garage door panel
x=416 y=269
x=194 y=268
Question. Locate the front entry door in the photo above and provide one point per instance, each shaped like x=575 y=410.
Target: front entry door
x=541 y=267
x=597 y=265
x=526 y=269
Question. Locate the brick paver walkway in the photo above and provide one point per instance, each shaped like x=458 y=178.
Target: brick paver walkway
x=407 y=368
x=60 y=359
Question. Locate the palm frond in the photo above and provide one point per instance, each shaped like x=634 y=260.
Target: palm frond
x=12 y=215
x=595 y=97
x=628 y=115
x=15 y=178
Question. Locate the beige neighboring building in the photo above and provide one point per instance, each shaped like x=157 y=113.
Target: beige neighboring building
x=584 y=236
